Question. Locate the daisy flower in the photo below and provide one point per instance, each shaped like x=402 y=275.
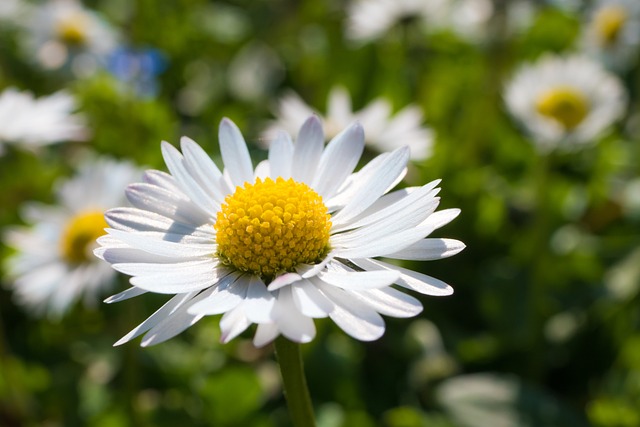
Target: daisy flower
x=468 y=19
x=565 y=101
x=294 y=239
x=65 y=33
x=384 y=130
x=34 y=122
x=613 y=32
x=53 y=265
x=12 y=11
x=368 y=20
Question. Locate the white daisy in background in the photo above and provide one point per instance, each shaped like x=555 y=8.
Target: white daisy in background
x=254 y=72
x=565 y=101
x=64 y=33
x=469 y=19
x=294 y=239
x=368 y=20
x=33 y=122
x=53 y=265
x=612 y=34
x=12 y=11
x=384 y=130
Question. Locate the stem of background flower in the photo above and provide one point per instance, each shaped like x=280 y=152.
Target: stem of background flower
x=539 y=257
x=294 y=382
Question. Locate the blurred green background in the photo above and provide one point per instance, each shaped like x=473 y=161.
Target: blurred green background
x=543 y=328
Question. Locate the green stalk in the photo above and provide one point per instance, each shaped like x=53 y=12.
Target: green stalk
x=294 y=383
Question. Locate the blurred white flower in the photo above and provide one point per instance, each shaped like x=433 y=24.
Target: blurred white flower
x=12 y=11
x=384 y=130
x=292 y=240
x=63 y=33
x=254 y=72
x=368 y=20
x=612 y=34
x=33 y=122
x=53 y=265
x=469 y=19
x=565 y=101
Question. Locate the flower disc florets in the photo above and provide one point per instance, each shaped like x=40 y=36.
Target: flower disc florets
x=271 y=226
x=565 y=105
x=80 y=235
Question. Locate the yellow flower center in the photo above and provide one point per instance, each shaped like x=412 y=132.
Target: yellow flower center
x=609 y=22
x=271 y=226
x=80 y=234
x=563 y=104
x=72 y=30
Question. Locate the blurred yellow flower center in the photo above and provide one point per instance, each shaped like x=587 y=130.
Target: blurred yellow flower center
x=72 y=30
x=609 y=21
x=563 y=104
x=80 y=234
x=271 y=226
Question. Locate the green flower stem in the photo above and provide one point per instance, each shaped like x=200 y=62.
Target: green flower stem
x=294 y=382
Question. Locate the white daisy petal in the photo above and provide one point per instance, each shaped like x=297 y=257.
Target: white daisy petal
x=283 y=280
x=189 y=186
x=124 y=295
x=115 y=255
x=174 y=205
x=265 y=333
x=390 y=302
x=169 y=248
x=161 y=179
x=443 y=217
x=232 y=324
x=259 y=302
x=291 y=323
x=180 y=319
x=386 y=244
x=359 y=280
x=387 y=171
x=228 y=294
x=353 y=316
x=235 y=153
x=307 y=151
x=410 y=279
x=263 y=170
x=281 y=156
x=157 y=317
x=170 y=327
x=184 y=277
x=392 y=204
x=201 y=167
x=429 y=249
x=309 y=300
x=339 y=160
x=133 y=219
x=388 y=223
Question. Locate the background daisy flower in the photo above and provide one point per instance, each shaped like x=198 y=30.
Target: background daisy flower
x=294 y=239
x=612 y=34
x=384 y=130
x=34 y=122
x=53 y=264
x=564 y=101
x=65 y=33
x=369 y=19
